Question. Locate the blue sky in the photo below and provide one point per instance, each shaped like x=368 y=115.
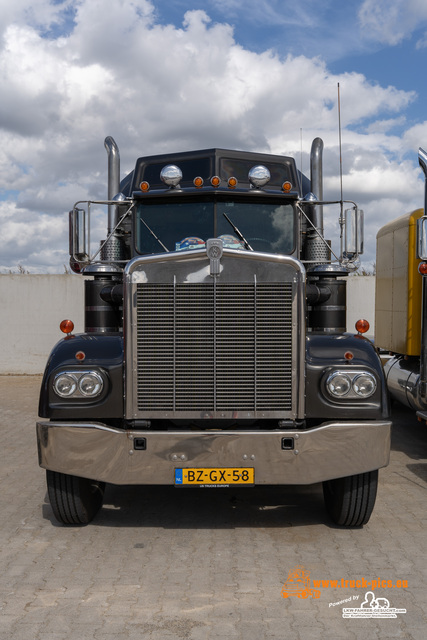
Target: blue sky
x=171 y=75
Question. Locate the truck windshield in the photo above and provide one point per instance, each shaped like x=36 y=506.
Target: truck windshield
x=187 y=224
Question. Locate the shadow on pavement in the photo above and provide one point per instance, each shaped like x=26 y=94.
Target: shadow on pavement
x=228 y=508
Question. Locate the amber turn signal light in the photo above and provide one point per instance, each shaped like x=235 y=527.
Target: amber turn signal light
x=66 y=326
x=362 y=326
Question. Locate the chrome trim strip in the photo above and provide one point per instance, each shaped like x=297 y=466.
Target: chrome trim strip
x=331 y=450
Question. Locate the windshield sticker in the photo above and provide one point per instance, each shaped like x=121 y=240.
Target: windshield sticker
x=189 y=243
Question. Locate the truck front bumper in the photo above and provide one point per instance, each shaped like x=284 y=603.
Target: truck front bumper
x=96 y=451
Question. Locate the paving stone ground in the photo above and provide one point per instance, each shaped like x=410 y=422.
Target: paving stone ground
x=159 y=563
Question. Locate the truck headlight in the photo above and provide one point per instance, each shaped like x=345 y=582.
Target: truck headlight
x=78 y=384
x=351 y=384
x=90 y=384
x=338 y=384
x=364 y=385
x=65 y=385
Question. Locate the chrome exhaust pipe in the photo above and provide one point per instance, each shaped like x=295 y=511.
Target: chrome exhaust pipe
x=113 y=179
x=317 y=252
x=316 y=178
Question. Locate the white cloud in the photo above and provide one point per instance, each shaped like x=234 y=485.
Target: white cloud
x=391 y=21
x=158 y=89
x=422 y=42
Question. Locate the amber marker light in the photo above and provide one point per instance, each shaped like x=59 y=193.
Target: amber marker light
x=215 y=181
x=198 y=182
x=286 y=186
x=144 y=186
x=348 y=355
x=422 y=268
x=66 y=326
x=232 y=182
x=80 y=355
x=362 y=326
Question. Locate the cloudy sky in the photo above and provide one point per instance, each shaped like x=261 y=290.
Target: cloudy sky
x=174 y=75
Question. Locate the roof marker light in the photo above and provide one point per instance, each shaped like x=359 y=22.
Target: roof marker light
x=171 y=175
x=144 y=186
x=286 y=186
x=215 y=181
x=198 y=182
x=232 y=182
x=259 y=176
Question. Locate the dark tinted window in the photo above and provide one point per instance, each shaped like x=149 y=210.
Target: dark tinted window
x=190 y=169
x=179 y=225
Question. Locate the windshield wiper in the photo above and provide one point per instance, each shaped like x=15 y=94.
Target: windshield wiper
x=240 y=235
x=154 y=235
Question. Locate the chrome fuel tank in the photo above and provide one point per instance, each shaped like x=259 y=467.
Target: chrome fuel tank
x=403 y=380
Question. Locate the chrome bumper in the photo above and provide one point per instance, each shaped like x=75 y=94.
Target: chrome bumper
x=332 y=450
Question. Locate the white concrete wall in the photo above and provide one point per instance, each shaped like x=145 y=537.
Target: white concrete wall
x=32 y=306
x=361 y=302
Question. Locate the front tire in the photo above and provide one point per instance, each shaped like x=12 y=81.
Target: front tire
x=74 y=500
x=350 y=501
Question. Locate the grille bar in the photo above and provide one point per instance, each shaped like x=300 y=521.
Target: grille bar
x=214 y=348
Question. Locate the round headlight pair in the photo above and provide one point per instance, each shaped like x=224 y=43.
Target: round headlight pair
x=359 y=384
x=88 y=384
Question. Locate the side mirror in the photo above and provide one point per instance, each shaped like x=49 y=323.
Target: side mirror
x=422 y=238
x=79 y=240
x=353 y=233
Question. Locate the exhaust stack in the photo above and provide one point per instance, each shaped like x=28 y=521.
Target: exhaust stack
x=113 y=250
x=316 y=177
x=316 y=250
x=113 y=179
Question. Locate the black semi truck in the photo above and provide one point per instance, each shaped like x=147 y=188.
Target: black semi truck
x=215 y=350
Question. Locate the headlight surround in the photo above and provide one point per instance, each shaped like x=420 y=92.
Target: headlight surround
x=350 y=384
x=78 y=384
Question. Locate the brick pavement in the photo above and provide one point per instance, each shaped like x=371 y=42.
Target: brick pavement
x=158 y=563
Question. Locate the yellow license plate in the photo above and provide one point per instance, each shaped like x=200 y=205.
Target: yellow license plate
x=217 y=477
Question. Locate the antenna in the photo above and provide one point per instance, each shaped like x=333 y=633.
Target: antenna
x=341 y=221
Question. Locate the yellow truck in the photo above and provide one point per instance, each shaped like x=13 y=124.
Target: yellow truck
x=401 y=304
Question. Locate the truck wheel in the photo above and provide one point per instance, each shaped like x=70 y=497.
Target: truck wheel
x=350 y=501
x=74 y=500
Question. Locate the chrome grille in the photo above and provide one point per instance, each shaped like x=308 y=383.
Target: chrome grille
x=218 y=349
